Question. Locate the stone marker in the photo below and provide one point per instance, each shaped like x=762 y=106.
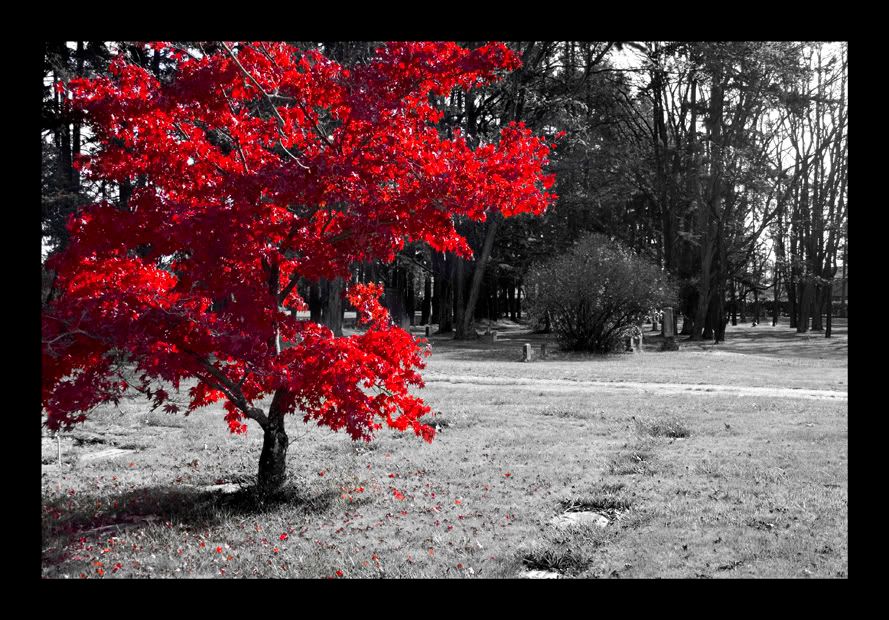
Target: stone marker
x=491 y=336
x=570 y=519
x=543 y=350
x=633 y=340
x=540 y=574
x=428 y=330
x=225 y=489
x=668 y=323
x=526 y=352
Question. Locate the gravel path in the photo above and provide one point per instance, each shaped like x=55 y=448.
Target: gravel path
x=622 y=386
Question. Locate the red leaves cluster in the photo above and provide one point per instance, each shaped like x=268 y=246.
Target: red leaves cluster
x=253 y=166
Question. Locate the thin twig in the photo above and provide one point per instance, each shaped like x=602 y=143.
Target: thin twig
x=281 y=122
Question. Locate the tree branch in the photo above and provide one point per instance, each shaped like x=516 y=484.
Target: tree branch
x=267 y=99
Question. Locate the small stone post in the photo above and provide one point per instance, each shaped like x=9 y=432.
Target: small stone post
x=668 y=323
x=669 y=332
x=526 y=352
x=428 y=330
x=543 y=351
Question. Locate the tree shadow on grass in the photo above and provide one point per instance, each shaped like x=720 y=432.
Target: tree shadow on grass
x=104 y=515
x=782 y=341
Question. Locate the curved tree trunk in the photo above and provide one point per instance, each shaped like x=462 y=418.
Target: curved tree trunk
x=464 y=324
x=272 y=460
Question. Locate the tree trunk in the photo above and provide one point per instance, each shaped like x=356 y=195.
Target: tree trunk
x=719 y=318
x=409 y=297
x=818 y=308
x=710 y=209
x=445 y=300
x=273 y=458
x=709 y=323
x=734 y=304
x=334 y=318
x=805 y=307
x=460 y=315
x=463 y=331
x=315 y=302
x=700 y=315
x=843 y=289
x=756 y=305
x=427 y=300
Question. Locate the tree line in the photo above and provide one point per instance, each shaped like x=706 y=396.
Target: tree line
x=725 y=163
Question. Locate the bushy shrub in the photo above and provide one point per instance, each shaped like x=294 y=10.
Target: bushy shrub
x=595 y=292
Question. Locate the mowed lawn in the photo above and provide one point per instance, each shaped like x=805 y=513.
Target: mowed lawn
x=745 y=474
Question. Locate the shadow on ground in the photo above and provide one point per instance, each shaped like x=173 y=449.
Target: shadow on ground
x=169 y=504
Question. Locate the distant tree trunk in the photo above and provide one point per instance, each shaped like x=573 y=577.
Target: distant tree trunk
x=734 y=304
x=410 y=297
x=426 y=308
x=829 y=321
x=314 y=302
x=709 y=211
x=464 y=329
x=438 y=268
x=460 y=313
x=686 y=325
x=776 y=285
x=75 y=130
x=843 y=289
x=756 y=305
x=445 y=299
x=818 y=308
x=125 y=190
x=709 y=322
x=334 y=314
x=793 y=310
x=397 y=298
x=511 y=300
x=805 y=306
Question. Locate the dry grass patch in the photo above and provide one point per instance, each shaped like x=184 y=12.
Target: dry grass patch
x=664 y=427
x=604 y=498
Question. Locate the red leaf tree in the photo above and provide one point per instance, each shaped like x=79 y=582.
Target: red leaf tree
x=253 y=166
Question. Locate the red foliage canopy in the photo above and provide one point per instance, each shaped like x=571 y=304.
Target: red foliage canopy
x=254 y=166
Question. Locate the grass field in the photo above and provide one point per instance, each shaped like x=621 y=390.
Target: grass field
x=713 y=461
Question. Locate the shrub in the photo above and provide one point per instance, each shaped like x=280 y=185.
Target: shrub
x=595 y=293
